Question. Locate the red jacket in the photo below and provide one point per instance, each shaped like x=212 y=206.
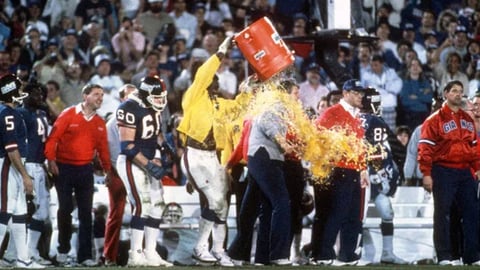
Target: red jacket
x=74 y=140
x=448 y=139
x=241 y=150
x=338 y=116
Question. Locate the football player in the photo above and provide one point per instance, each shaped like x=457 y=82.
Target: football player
x=382 y=170
x=16 y=182
x=139 y=124
x=203 y=135
x=36 y=122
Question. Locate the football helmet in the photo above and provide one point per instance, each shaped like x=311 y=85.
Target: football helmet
x=10 y=89
x=152 y=91
x=371 y=102
x=36 y=95
x=173 y=213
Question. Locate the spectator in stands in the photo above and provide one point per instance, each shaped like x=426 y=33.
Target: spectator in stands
x=227 y=80
x=409 y=35
x=92 y=38
x=15 y=50
x=300 y=29
x=68 y=49
x=470 y=59
x=34 y=18
x=427 y=25
x=451 y=70
x=202 y=25
x=383 y=34
x=71 y=92
x=216 y=11
x=180 y=46
x=128 y=45
x=95 y=10
x=362 y=61
x=443 y=23
x=111 y=84
x=456 y=44
x=415 y=97
x=50 y=67
x=396 y=59
x=387 y=82
x=185 y=22
x=54 y=102
x=149 y=67
x=34 y=49
x=153 y=19
x=312 y=89
x=4 y=63
x=430 y=39
x=210 y=43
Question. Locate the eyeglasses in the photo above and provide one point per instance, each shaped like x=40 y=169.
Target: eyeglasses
x=357 y=93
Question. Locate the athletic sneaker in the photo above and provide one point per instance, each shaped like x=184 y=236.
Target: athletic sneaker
x=445 y=262
x=223 y=259
x=31 y=265
x=40 y=260
x=324 y=262
x=89 y=263
x=7 y=262
x=203 y=255
x=281 y=262
x=239 y=262
x=136 y=258
x=62 y=258
x=299 y=260
x=390 y=258
x=342 y=263
x=154 y=259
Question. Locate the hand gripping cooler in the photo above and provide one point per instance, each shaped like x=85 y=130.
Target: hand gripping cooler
x=264 y=49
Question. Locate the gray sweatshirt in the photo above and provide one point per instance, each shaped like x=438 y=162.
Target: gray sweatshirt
x=265 y=127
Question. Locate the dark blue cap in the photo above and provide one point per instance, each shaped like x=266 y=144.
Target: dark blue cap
x=409 y=27
x=300 y=16
x=460 y=29
x=314 y=67
x=353 y=85
x=70 y=32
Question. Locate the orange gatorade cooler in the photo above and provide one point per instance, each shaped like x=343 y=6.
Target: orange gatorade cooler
x=264 y=49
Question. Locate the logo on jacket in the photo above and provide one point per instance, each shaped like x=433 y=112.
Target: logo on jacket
x=466 y=125
x=449 y=126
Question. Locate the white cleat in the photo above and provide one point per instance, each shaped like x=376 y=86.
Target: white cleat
x=154 y=259
x=223 y=259
x=203 y=255
x=40 y=260
x=445 y=262
x=390 y=258
x=136 y=258
x=281 y=262
x=30 y=265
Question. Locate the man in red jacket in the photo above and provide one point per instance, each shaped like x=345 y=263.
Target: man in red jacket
x=447 y=153
x=342 y=212
x=78 y=135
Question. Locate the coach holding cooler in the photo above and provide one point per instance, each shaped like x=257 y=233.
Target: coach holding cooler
x=447 y=153
x=78 y=135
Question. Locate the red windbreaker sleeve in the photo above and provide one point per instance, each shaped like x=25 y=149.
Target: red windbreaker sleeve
x=102 y=147
x=59 y=127
x=241 y=149
x=426 y=146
